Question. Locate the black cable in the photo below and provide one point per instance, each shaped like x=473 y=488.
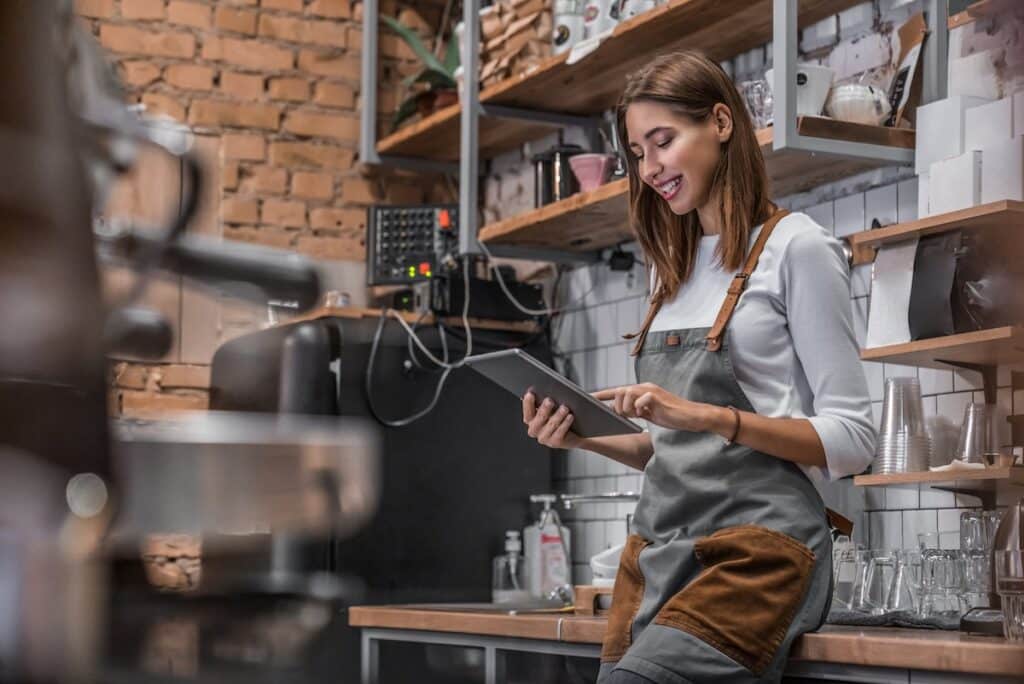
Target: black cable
x=368 y=386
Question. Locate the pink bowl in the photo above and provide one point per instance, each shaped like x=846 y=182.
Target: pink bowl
x=592 y=170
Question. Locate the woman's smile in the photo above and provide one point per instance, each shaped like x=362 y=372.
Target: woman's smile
x=670 y=188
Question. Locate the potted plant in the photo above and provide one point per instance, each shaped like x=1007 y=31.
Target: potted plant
x=438 y=75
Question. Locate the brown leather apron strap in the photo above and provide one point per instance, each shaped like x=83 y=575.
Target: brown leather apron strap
x=641 y=336
x=713 y=341
x=839 y=523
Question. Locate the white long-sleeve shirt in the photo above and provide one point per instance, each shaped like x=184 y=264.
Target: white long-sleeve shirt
x=791 y=339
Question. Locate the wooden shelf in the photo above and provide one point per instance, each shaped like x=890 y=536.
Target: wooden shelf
x=793 y=171
x=720 y=28
x=586 y=221
x=600 y=218
x=996 y=346
x=974 y=479
x=1003 y=215
x=978 y=10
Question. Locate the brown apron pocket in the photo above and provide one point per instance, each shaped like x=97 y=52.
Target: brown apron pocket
x=626 y=597
x=745 y=598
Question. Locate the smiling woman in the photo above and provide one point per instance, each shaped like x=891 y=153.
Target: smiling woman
x=690 y=141
x=749 y=379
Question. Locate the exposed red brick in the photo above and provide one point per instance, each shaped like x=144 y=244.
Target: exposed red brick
x=142 y=9
x=188 y=14
x=332 y=63
x=97 y=9
x=339 y=95
x=252 y=54
x=358 y=190
x=317 y=125
x=279 y=212
x=347 y=249
x=264 y=180
x=220 y=113
x=237 y=21
x=189 y=76
x=128 y=39
x=335 y=9
x=400 y=193
x=290 y=5
x=241 y=146
x=270 y=236
x=229 y=175
x=290 y=89
x=158 y=103
x=139 y=404
x=236 y=209
x=328 y=33
x=245 y=86
x=331 y=219
x=312 y=185
x=139 y=73
x=303 y=155
x=182 y=376
x=129 y=376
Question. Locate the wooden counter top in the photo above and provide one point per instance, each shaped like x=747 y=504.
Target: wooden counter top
x=914 y=649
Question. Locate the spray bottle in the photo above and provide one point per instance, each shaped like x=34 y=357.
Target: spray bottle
x=547 y=553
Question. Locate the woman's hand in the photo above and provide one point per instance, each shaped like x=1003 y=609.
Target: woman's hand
x=659 y=406
x=549 y=425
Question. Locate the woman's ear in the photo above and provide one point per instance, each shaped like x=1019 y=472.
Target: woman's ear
x=722 y=117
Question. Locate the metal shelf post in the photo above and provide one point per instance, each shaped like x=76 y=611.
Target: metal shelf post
x=785 y=135
x=368 y=85
x=469 y=129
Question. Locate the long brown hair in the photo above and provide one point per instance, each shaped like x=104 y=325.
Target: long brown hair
x=692 y=84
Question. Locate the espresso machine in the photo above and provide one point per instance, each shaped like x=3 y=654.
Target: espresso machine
x=81 y=496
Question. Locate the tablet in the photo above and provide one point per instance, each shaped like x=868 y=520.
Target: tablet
x=518 y=372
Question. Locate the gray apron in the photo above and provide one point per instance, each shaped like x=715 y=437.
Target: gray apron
x=731 y=555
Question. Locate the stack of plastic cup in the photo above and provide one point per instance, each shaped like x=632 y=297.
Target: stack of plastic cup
x=903 y=443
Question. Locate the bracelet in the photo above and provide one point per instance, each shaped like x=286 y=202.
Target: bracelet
x=736 y=430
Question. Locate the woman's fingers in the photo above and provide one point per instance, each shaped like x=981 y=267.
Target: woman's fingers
x=540 y=418
x=644 y=404
x=558 y=436
x=549 y=429
x=529 y=407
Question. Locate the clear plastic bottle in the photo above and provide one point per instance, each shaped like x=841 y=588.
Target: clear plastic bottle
x=509 y=577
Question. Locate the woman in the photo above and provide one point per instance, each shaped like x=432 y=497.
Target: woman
x=749 y=383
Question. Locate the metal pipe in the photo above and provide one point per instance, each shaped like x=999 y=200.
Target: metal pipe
x=368 y=75
x=469 y=133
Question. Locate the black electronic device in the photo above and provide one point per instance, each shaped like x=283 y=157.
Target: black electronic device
x=407 y=244
x=486 y=298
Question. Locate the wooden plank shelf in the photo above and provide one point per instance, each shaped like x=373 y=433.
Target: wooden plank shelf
x=995 y=346
x=720 y=28
x=412 y=317
x=989 y=478
x=586 y=221
x=1004 y=215
x=600 y=218
x=979 y=10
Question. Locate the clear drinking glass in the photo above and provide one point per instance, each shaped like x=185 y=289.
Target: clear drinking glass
x=942 y=582
x=860 y=599
x=878 y=580
x=977 y=567
x=1009 y=572
x=905 y=592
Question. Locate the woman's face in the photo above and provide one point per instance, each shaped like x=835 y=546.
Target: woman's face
x=677 y=156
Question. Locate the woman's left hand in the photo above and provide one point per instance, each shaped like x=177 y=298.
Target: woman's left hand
x=657 y=405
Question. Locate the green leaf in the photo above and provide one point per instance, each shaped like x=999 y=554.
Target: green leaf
x=413 y=41
x=451 y=56
x=435 y=78
x=405 y=110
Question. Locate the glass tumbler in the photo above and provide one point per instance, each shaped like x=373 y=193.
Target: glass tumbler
x=1009 y=573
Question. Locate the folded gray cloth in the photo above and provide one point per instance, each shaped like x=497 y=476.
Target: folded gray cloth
x=899 y=618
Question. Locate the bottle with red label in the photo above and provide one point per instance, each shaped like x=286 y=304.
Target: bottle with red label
x=547 y=542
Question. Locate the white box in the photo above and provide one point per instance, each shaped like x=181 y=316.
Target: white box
x=1018 y=114
x=922 y=196
x=975 y=75
x=940 y=130
x=988 y=124
x=1002 y=171
x=955 y=183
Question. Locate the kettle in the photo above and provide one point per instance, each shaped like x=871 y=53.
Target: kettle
x=1009 y=537
x=553 y=177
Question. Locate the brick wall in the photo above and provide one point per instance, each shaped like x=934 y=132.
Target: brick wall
x=278 y=81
